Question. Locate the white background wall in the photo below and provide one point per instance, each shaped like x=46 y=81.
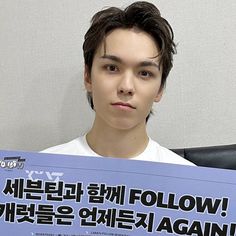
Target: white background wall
x=42 y=98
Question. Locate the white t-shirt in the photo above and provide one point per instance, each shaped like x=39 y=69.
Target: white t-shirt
x=153 y=152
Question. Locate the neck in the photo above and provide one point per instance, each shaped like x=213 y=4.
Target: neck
x=112 y=142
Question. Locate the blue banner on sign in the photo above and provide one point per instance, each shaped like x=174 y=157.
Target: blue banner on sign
x=61 y=195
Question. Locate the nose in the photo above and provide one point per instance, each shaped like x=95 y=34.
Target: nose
x=126 y=85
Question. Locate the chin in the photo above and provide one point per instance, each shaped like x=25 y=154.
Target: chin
x=125 y=124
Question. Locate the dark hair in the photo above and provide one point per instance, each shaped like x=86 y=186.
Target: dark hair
x=142 y=15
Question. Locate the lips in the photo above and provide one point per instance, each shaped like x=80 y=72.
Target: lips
x=123 y=104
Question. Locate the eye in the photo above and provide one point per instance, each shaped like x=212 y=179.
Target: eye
x=146 y=74
x=112 y=68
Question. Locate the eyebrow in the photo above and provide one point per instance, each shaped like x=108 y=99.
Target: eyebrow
x=111 y=57
x=142 y=63
x=150 y=63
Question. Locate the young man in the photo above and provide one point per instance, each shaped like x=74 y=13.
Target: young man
x=128 y=55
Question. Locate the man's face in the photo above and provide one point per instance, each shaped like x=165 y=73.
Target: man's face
x=125 y=79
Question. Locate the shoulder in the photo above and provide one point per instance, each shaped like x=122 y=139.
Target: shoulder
x=74 y=147
x=167 y=156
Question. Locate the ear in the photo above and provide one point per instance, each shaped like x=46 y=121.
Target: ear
x=159 y=95
x=87 y=79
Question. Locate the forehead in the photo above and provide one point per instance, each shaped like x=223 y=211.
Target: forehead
x=129 y=44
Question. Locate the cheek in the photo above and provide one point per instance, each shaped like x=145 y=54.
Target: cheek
x=101 y=90
x=96 y=92
x=151 y=92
